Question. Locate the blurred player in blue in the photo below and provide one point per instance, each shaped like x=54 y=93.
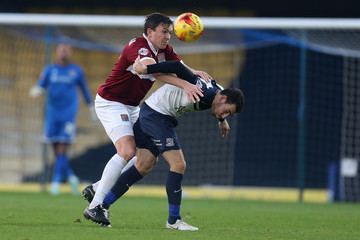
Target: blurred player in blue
x=61 y=80
x=155 y=134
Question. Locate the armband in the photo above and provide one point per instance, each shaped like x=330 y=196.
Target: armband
x=221 y=119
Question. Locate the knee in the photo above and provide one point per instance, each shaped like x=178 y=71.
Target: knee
x=178 y=166
x=60 y=148
x=127 y=152
x=144 y=167
x=125 y=147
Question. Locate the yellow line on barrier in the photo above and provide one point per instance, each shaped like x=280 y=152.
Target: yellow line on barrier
x=202 y=192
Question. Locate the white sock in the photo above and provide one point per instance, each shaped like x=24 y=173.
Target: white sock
x=127 y=166
x=95 y=185
x=110 y=174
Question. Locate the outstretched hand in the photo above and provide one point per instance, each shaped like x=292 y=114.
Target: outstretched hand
x=35 y=91
x=203 y=75
x=92 y=113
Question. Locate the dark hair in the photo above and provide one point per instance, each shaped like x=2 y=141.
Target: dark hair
x=234 y=96
x=155 y=19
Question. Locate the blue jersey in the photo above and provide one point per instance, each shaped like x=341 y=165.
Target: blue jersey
x=61 y=83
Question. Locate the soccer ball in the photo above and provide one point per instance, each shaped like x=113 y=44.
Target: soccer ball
x=188 y=27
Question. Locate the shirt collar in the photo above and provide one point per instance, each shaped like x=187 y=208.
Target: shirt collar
x=153 y=49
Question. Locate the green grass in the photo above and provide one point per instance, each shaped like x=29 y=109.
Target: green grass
x=33 y=216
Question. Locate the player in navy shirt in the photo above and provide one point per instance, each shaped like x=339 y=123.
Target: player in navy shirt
x=61 y=81
x=155 y=134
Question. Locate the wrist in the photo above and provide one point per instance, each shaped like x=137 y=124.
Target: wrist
x=221 y=120
x=183 y=84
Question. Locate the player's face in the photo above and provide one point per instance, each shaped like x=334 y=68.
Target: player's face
x=221 y=109
x=160 y=37
x=63 y=53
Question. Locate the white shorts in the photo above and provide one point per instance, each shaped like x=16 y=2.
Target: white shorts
x=117 y=118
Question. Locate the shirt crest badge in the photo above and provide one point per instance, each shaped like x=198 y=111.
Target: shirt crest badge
x=143 y=51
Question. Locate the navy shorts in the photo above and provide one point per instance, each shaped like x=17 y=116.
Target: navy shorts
x=155 y=131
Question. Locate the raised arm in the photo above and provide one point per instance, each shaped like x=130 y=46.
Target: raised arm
x=82 y=83
x=202 y=74
x=173 y=67
x=193 y=91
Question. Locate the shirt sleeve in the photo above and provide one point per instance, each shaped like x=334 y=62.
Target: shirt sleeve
x=136 y=49
x=173 y=67
x=43 y=81
x=82 y=83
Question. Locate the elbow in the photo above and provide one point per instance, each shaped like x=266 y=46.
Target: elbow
x=147 y=61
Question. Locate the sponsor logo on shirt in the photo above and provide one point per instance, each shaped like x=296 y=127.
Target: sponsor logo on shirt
x=143 y=51
x=124 y=117
x=65 y=77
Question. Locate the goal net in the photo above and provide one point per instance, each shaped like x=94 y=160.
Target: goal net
x=299 y=128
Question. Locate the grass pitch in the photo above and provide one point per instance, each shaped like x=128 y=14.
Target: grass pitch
x=34 y=216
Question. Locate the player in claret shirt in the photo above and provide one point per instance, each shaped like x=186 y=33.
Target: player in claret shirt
x=155 y=134
x=117 y=100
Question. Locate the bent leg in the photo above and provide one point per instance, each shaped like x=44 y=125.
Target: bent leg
x=144 y=164
x=127 y=166
x=117 y=120
x=125 y=147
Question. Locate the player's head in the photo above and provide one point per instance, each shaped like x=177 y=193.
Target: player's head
x=63 y=53
x=158 y=28
x=227 y=102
